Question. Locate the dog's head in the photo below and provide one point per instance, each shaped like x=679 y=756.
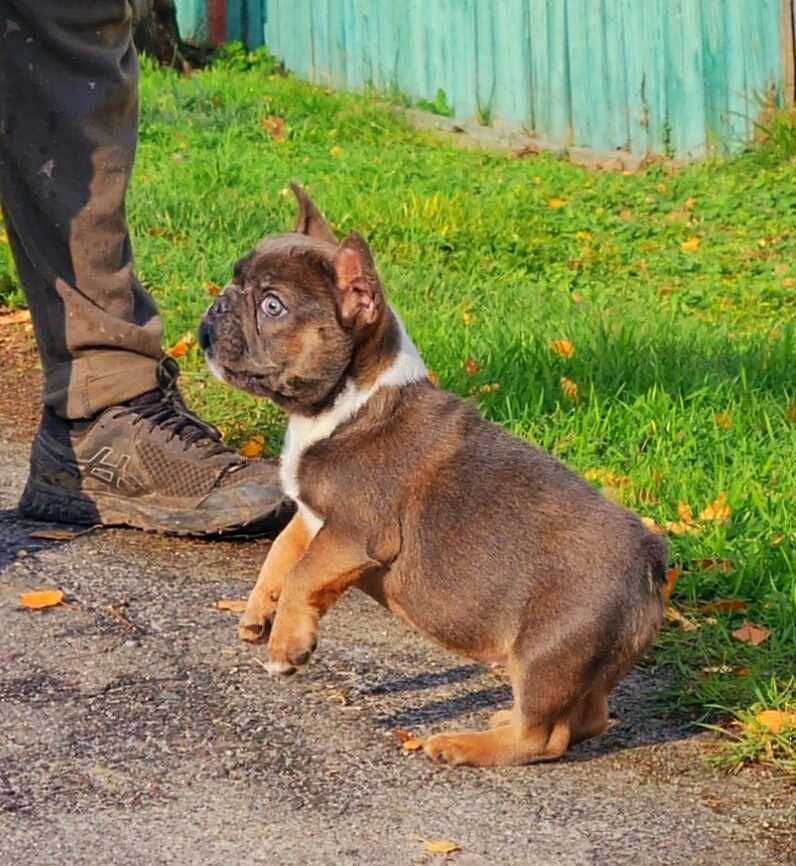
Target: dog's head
x=299 y=309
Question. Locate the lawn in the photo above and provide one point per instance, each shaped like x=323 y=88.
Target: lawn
x=642 y=327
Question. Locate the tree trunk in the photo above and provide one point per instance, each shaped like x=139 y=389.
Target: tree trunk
x=156 y=33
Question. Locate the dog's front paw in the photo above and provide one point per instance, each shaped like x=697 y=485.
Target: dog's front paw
x=255 y=623
x=462 y=747
x=293 y=641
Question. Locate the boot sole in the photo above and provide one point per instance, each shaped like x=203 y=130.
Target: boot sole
x=53 y=504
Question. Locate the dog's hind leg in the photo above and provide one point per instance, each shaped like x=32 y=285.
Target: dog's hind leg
x=288 y=548
x=546 y=687
x=590 y=715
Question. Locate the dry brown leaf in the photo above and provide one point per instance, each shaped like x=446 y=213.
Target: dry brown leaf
x=751 y=633
x=691 y=245
x=213 y=289
x=776 y=721
x=402 y=735
x=723 y=420
x=233 y=605
x=182 y=346
x=724 y=566
x=672 y=576
x=412 y=744
x=652 y=525
x=570 y=389
x=490 y=388
x=724 y=605
x=790 y=413
x=717 y=512
x=690 y=203
x=556 y=203
x=789 y=283
x=253 y=447
x=674 y=615
x=16 y=318
x=433 y=378
x=41 y=599
x=274 y=126
x=441 y=846
x=562 y=348
x=471 y=366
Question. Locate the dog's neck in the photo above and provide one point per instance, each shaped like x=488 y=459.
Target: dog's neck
x=401 y=366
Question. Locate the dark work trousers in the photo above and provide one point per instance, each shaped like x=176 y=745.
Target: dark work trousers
x=68 y=131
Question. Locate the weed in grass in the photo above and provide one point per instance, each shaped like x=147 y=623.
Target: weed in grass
x=439 y=105
x=660 y=341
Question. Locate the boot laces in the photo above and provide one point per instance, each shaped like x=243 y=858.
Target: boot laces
x=164 y=408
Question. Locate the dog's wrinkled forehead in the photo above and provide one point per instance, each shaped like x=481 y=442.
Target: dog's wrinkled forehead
x=286 y=257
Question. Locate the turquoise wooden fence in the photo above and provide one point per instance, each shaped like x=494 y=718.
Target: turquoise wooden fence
x=685 y=77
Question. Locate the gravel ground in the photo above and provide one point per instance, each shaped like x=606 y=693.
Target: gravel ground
x=134 y=727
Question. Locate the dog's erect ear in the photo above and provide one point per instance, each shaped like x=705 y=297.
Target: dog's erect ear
x=310 y=220
x=359 y=289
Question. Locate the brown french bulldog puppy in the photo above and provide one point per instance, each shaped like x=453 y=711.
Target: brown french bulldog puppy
x=491 y=548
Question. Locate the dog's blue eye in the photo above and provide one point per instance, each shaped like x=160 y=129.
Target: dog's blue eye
x=272 y=306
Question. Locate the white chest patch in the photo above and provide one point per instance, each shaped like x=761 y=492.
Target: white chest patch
x=303 y=433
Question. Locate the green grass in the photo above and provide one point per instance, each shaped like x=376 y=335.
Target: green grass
x=481 y=266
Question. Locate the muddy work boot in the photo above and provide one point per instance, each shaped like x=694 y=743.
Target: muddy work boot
x=153 y=465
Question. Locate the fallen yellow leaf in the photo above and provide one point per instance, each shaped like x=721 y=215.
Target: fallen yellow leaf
x=433 y=378
x=233 y=605
x=441 y=846
x=335 y=151
x=570 y=389
x=182 y=346
x=717 y=512
x=412 y=744
x=490 y=388
x=563 y=348
x=556 y=203
x=690 y=204
x=468 y=319
x=674 y=615
x=652 y=525
x=691 y=245
x=776 y=721
x=41 y=599
x=17 y=318
x=684 y=512
x=723 y=420
x=253 y=447
x=751 y=633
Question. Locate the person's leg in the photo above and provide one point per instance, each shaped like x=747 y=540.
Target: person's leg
x=69 y=115
x=116 y=444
